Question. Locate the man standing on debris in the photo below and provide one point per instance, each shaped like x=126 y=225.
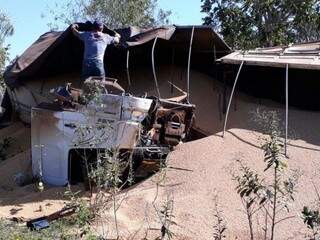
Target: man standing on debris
x=95 y=44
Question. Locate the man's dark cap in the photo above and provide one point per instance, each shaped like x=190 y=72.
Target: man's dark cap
x=97 y=24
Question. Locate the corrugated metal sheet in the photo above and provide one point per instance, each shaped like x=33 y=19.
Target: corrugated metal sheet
x=301 y=56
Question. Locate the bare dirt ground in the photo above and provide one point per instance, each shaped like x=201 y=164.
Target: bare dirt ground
x=197 y=172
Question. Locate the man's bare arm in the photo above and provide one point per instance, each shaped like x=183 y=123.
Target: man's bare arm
x=116 y=38
x=75 y=30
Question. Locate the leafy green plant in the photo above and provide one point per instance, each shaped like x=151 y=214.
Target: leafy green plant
x=108 y=171
x=269 y=199
x=246 y=24
x=311 y=217
x=59 y=229
x=114 y=13
x=93 y=91
x=84 y=215
x=107 y=176
x=220 y=225
x=249 y=187
x=281 y=191
x=6 y=30
x=166 y=217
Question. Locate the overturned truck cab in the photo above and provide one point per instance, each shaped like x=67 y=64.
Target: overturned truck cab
x=102 y=117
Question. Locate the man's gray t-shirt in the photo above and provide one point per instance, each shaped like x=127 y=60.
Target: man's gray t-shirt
x=95 y=44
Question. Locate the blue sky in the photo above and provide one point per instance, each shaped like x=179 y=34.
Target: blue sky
x=29 y=25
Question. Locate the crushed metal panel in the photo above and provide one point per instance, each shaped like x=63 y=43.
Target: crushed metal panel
x=135 y=109
x=126 y=134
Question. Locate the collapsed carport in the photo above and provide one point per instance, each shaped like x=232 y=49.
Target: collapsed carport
x=166 y=54
x=287 y=74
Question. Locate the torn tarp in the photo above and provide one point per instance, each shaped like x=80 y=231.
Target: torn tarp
x=60 y=52
x=36 y=55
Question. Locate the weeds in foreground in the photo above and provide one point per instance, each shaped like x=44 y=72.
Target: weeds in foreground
x=84 y=214
x=268 y=199
x=311 y=217
x=60 y=229
x=220 y=226
x=108 y=178
x=166 y=218
x=249 y=187
x=106 y=171
x=165 y=213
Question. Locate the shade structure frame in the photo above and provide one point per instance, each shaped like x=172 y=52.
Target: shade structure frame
x=153 y=67
x=128 y=69
x=230 y=100
x=286 y=105
x=287 y=112
x=189 y=63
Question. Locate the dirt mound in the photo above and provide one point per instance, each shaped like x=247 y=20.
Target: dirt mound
x=197 y=171
x=200 y=169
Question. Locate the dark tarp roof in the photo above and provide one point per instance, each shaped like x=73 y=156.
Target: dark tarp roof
x=63 y=48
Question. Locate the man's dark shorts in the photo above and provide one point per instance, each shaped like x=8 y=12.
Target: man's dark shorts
x=92 y=67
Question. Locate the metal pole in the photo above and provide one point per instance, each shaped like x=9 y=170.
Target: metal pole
x=153 y=67
x=287 y=110
x=214 y=53
x=127 y=69
x=189 y=61
x=230 y=100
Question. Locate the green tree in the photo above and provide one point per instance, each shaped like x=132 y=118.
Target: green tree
x=114 y=13
x=249 y=23
x=6 y=29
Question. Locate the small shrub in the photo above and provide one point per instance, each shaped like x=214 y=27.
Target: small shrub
x=83 y=215
x=166 y=217
x=270 y=199
x=220 y=225
x=250 y=189
x=311 y=217
x=59 y=229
